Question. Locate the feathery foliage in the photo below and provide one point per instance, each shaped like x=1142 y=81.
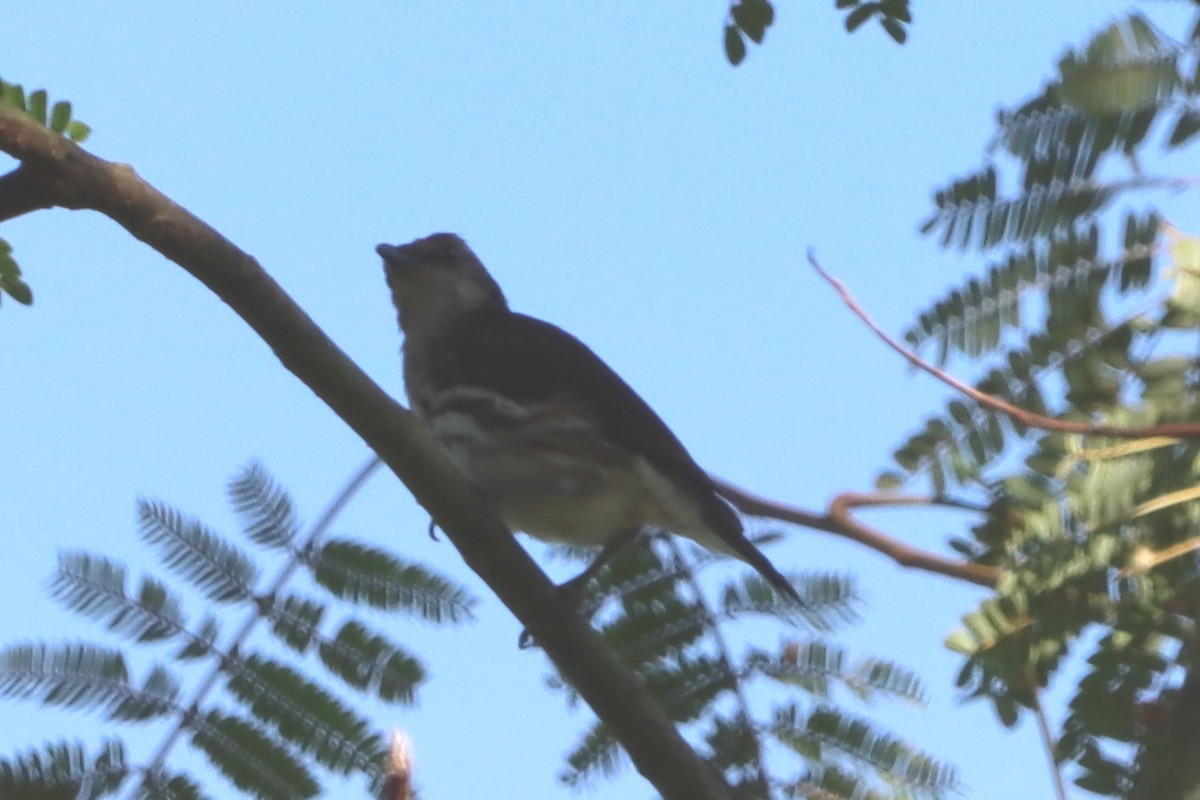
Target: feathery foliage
x=271 y=727
x=655 y=614
x=63 y=771
x=1090 y=314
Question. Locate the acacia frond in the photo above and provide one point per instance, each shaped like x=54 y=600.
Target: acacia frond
x=84 y=676
x=369 y=662
x=296 y=620
x=222 y=571
x=177 y=786
x=638 y=572
x=63 y=771
x=250 y=758
x=896 y=762
x=94 y=586
x=200 y=642
x=304 y=714
x=813 y=665
x=365 y=574
x=829 y=599
x=599 y=753
x=961 y=443
x=1065 y=267
x=970 y=214
x=687 y=684
x=267 y=513
x=654 y=627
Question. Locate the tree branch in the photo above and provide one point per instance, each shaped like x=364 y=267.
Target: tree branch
x=839 y=521
x=76 y=179
x=22 y=191
x=1180 y=430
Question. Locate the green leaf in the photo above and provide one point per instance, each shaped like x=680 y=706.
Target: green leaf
x=753 y=17
x=962 y=642
x=267 y=513
x=250 y=759
x=84 y=676
x=63 y=771
x=37 y=106
x=13 y=94
x=735 y=47
x=887 y=481
x=369 y=662
x=213 y=565
x=95 y=587
x=858 y=16
x=895 y=29
x=296 y=620
x=78 y=131
x=18 y=290
x=60 y=116
x=364 y=574
x=306 y=715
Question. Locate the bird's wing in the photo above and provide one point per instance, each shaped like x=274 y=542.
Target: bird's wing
x=527 y=360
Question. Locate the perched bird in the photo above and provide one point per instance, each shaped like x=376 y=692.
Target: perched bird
x=558 y=443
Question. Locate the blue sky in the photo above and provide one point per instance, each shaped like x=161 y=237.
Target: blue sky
x=619 y=179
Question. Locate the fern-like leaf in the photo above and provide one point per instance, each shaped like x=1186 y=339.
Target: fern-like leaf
x=369 y=662
x=895 y=761
x=267 y=513
x=302 y=713
x=654 y=627
x=218 y=568
x=251 y=759
x=364 y=574
x=296 y=621
x=84 y=676
x=94 y=586
x=63 y=771
x=829 y=600
x=598 y=754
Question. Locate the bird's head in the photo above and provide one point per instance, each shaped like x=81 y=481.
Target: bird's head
x=436 y=280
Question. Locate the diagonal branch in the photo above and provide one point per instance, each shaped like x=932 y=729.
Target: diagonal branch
x=77 y=179
x=838 y=521
x=1181 y=430
x=21 y=191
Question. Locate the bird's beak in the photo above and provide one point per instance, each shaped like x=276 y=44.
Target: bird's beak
x=392 y=254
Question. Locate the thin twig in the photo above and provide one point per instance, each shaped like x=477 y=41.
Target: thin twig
x=839 y=521
x=1183 y=430
x=253 y=617
x=1060 y=788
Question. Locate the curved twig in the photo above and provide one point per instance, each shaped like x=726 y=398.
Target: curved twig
x=1182 y=430
x=839 y=521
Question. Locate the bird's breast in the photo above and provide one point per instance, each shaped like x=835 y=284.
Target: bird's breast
x=547 y=469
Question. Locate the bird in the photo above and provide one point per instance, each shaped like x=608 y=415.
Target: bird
x=560 y=446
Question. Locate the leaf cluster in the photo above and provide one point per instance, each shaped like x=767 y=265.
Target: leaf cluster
x=653 y=611
x=1088 y=314
x=261 y=717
